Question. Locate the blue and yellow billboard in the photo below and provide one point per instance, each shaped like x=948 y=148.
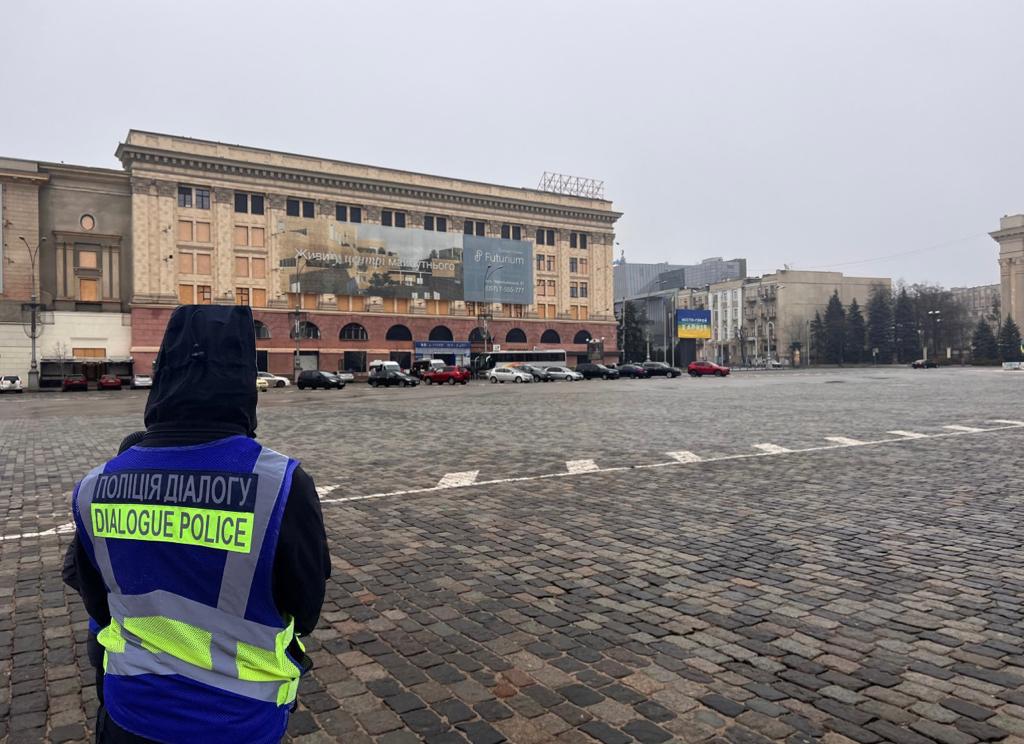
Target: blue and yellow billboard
x=693 y=324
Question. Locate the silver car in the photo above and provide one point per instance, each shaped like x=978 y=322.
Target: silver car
x=564 y=373
x=274 y=380
x=141 y=381
x=345 y=377
x=509 y=374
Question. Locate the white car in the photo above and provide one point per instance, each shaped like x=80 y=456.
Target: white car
x=564 y=373
x=10 y=384
x=141 y=381
x=509 y=374
x=274 y=380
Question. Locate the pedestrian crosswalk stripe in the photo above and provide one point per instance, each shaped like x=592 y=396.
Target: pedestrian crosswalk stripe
x=454 y=480
x=581 y=466
x=684 y=456
x=771 y=449
x=907 y=434
x=959 y=427
x=844 y=440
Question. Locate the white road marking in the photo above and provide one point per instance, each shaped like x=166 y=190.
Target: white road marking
x=581 y=466
x=845 y=441
x=455 y=480
x=908 y=434
x=959 y=427
x=684 y=456
x=1007 y=421
x=771 y=449
x=60 y=529
x=322 y=491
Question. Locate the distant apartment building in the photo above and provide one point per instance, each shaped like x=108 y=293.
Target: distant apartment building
x=981 y=302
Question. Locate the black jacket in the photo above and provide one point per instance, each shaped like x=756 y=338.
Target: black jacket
x=204 y=388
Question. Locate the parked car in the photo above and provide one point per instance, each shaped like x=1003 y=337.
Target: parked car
x=509 y=374
x=74 y=382
x=633 y=370
x=387 y=377
x=540 y=374
x=590 y=371
x=564 y=373
x=924 y=364
x=660 y=369
x=422 y=366
x=274 y=380
x=141 y=381
x=345 y=377
x=10 y=384
x=109 y=382
x=699 y=369
x=262 y=385
x=315 y=378
x=449 y=374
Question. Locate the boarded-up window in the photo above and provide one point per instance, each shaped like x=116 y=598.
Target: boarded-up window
x=259 y=298
x=203 y=264
x=241 y=235
x=583 y=312
x=202 y=232
x=256 y=237
x=88 y=352
x=241 y=266
x=204 y=295
x=186 y=295
x=185 y=263
x=241 y=295
x=87 y=260
x=88 y=290
x=259 y=268
x=185 y=230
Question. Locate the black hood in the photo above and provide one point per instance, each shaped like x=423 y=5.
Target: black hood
x=205 y=373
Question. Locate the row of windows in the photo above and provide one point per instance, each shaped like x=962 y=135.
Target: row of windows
x=356 y=332
x=245 y=203
x=202 y=294
x=548 y=288
x=576 y=265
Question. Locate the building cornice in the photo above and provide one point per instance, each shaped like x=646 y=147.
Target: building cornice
x=19 y=176
x=130 y=155
x=1010 y=232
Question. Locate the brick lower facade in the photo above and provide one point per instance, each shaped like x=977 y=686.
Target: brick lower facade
x=148 y=325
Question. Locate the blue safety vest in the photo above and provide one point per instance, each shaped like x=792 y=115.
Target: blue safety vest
x=184 y=538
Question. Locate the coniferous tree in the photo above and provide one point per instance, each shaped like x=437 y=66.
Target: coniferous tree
x=983 y=343
x=835 y=329
x=1009 y=341
x=905 y=329
x=879 y=324
x=632 y=338
x=817 y=349
x=856 y=333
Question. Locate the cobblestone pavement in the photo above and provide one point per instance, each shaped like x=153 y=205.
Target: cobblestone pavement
x=793 y=571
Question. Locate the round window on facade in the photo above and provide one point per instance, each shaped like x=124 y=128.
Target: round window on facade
x=87 y=222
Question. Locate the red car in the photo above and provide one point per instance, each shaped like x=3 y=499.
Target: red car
x=109 y=382
x=75 y=382
x=451 y=375
x=699 y=369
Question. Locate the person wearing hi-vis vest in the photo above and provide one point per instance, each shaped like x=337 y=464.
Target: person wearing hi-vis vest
x=199 y=554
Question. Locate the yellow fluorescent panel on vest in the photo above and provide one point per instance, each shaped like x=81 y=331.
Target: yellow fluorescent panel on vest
x=210 y=528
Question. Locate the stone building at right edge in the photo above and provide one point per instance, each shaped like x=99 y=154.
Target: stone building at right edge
x=1010 y=237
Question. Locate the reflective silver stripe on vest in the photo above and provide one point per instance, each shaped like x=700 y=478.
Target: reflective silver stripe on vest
x=136 y=660
x=226 y=623
x=99 y=547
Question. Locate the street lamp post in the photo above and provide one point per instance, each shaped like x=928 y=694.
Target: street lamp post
x=33 y=307
x=770 y=326
x=936 y=318
x=491 y=269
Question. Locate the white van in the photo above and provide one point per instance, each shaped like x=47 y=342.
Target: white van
x=381 y=364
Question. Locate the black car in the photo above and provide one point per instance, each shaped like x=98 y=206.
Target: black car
x=539 y=373
x=314 y=378
x=924 y=364
x=633 y=370
x=590 y=371
x=383 y=377
x=660 y=369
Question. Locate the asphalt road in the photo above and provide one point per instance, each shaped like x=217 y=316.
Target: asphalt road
x=828 y=555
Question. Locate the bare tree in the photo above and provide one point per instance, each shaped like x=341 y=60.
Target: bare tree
x=60 y=353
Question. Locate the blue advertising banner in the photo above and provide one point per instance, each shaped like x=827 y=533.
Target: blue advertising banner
x=693 y=324
x=496 y=270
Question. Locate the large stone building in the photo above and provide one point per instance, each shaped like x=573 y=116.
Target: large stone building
x=979 y=303
x=1010 y=237
x=65 y=233
x=364 y=262
x=341 y=263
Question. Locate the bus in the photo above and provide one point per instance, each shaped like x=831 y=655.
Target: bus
x=491 y=359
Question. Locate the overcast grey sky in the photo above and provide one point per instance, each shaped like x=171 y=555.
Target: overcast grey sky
x=806 y=132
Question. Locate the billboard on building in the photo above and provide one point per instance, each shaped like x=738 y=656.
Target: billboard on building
x=693 y=324
x=341 y=258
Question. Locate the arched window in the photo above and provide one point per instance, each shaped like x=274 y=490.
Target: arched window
x=476 y=336
x=440 y=333
x=261 y=329
x=550 y=336
x=398 y=333
x=515 y=336
x=307 y=330
x=353 y=332
x=582 y=337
